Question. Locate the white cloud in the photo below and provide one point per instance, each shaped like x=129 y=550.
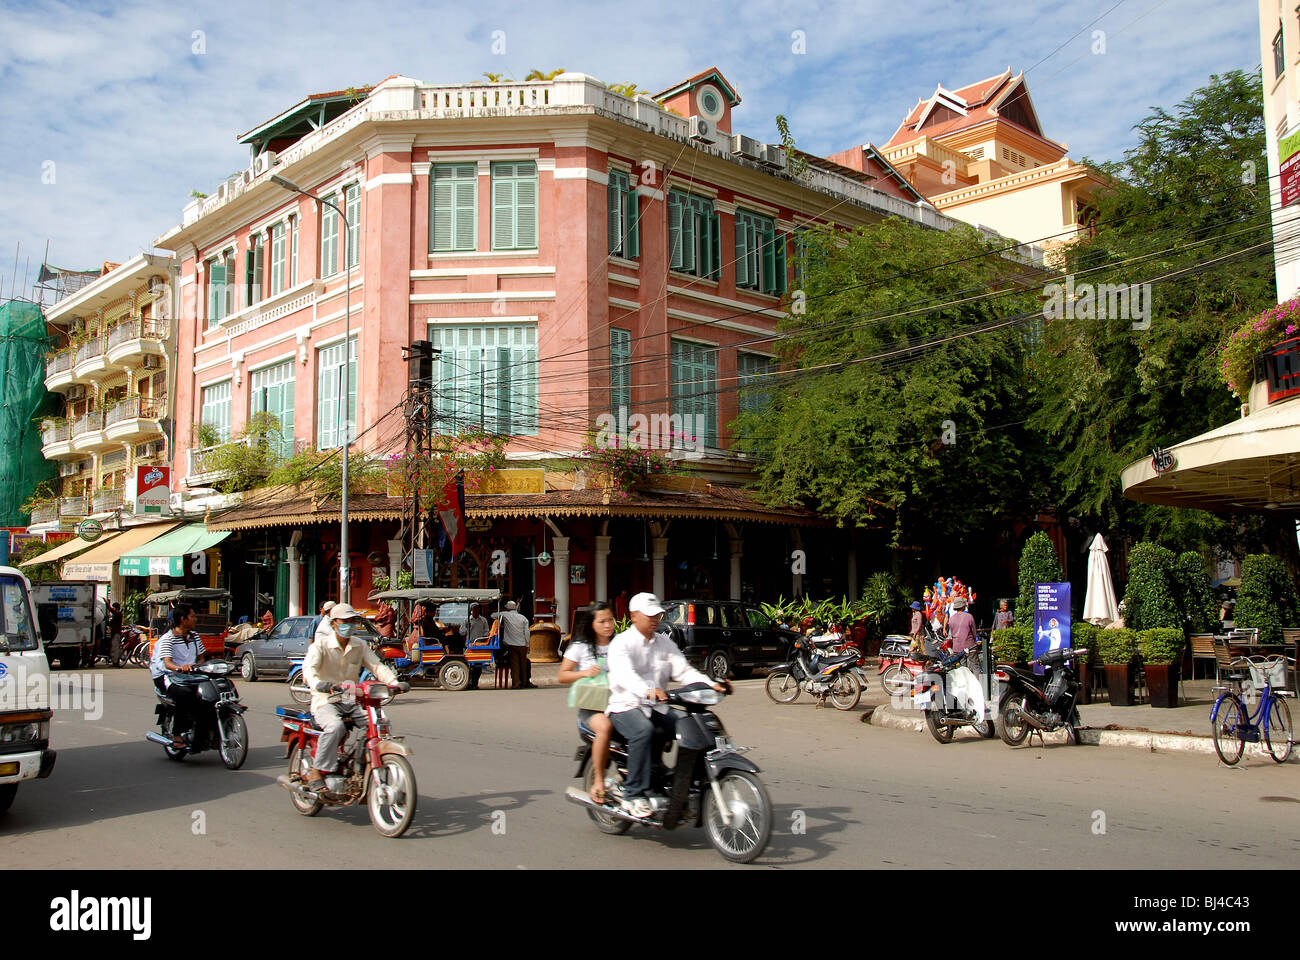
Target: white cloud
x=133 y=120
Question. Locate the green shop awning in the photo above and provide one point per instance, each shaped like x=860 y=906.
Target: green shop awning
x=165 y=557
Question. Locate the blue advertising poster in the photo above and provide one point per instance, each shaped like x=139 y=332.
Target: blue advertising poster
x=1051 y=618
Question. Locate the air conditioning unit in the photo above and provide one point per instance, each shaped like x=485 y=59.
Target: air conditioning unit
x=263 y=162
x=774 y=155
x=746 y=147
x=151 y=362
x=703 y=129
x=70 y=469
x=146 y=450
x=77 y=392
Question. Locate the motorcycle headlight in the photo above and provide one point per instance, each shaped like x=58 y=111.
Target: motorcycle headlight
x=25 y=732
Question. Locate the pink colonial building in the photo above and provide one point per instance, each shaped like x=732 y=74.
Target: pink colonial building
x=571 y=252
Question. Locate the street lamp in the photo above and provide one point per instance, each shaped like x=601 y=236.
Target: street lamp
x=344 y=567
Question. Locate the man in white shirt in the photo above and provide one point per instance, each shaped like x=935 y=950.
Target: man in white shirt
x=641 y=662
x=514 y=638
x=332 y=662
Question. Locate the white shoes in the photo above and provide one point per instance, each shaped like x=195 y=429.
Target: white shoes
x=638 y=807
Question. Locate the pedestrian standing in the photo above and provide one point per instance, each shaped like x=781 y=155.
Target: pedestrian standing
x=514 y=636
x=1003 y=618
x=961 y=627
x=917 y=629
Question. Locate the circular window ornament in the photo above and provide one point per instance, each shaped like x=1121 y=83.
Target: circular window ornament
x=710 y=103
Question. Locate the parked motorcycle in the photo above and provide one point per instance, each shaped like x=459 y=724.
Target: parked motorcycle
x=898 y=668
x=822 y=674
x=218 y=722
x=710 y=784
x=372 y=764
x=951 y=693
x=1033 y=702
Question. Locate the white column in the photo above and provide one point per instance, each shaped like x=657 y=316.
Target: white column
x=394 y=562
x=561 y=545
x=602 y=568
x=660 y=551
x=295 y=581
x=737 y=551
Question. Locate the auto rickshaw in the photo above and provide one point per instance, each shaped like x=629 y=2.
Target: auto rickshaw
x=441 y=657
x=211 y=605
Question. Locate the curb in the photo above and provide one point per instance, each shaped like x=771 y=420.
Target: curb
x=886 y=716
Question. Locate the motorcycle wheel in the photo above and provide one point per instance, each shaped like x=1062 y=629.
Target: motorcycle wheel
x=1013 y=733
x=300 y=763
x=750 y=812
x=940 y=732
x=606 y=824
x=391 y=816
x=845 y=691
x=234 y=742
x=896 y=681
x=782 y=687
x=300 y=692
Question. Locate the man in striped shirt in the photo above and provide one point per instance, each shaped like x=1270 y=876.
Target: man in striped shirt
x=179 y=649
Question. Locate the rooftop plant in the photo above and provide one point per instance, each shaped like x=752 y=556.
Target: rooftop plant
x=1238 y=352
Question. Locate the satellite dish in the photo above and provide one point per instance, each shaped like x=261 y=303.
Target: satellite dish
x=544 y=559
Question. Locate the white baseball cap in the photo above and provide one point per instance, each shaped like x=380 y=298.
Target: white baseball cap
x=511 y=605
x=342 y=611
x=646 y=603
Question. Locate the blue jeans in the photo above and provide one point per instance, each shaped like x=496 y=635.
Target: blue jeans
x=645 y=737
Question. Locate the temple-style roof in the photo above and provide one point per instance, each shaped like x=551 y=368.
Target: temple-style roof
x=1002 y=97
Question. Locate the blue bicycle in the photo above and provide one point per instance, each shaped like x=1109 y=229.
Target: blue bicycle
x=1234 y=726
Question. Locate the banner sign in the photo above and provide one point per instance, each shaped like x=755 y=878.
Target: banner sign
x=153 y=489
x=422 y=567
x=1288 y=156
x=151 y=566
x=1051 y=618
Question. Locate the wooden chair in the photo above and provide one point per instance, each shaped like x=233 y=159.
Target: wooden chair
x=1291 y=637
x=1202 y=649
x=1222 y=659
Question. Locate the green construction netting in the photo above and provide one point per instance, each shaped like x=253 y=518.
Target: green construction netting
x=23 y=401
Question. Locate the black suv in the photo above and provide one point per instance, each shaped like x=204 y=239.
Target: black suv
x=723 y=637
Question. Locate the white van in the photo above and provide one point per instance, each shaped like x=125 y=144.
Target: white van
x=25 y=713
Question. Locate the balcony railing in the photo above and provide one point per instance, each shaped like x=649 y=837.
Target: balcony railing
x=90 y=349
x=200 y=460
x=56 y=433
x=112 y=461
x=61 y=362
x=141 y=328
x=72 y=507
x=105 y=500
x=88 y=422
x=132 y=407
x=45 y=513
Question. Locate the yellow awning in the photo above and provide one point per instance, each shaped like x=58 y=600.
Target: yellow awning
x=97 y=563
x=67 y=549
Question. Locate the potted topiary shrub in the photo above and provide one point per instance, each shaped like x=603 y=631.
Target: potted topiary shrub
x=1162 y=655
x=1118 y=648
x=1083 y=636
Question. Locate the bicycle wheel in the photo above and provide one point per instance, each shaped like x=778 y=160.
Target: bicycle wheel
x=1278 y=735
x=1229 y=714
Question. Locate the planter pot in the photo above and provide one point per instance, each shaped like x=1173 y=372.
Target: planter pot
x=1119 y=681
x=1085 y=683
x=1162 y=684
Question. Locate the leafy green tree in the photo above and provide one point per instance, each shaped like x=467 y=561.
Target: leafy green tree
x=1267 y=597
x=1105 y=393
x=1038 y=564
x=1150 y=598
x=873 y=417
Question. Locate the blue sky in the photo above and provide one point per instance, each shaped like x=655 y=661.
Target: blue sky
x=112 y=102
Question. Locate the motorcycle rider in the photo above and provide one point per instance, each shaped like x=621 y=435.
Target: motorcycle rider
x=641 y=661
x=179 y=649
x=331 y=662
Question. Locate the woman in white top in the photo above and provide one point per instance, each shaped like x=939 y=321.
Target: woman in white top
x=586 y=656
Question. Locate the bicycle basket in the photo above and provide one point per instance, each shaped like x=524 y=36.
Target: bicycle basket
x=1272 y=672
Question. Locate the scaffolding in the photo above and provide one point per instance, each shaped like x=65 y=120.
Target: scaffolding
x=23 y=401
x=60 y=283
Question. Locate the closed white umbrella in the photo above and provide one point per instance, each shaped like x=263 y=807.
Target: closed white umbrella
x=1099 y=606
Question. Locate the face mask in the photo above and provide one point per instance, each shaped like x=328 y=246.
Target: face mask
x=345 y=629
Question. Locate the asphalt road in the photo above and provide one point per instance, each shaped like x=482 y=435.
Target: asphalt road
x=492 y=767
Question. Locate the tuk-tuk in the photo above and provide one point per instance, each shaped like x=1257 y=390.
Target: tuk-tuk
x=447 y=658
x=212 y=627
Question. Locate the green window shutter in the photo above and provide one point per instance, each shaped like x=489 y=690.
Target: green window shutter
x=248 y=277
x=503 y=212
x=216 y=291
x=465 y=217
x=742 y=250
x=769 y=258
x=633 y=220
x=620 y=373
x=781 y=271
x=526 y=206
x=441 y=229
x=715 y=247
x=676 y=232
x=615 y=211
